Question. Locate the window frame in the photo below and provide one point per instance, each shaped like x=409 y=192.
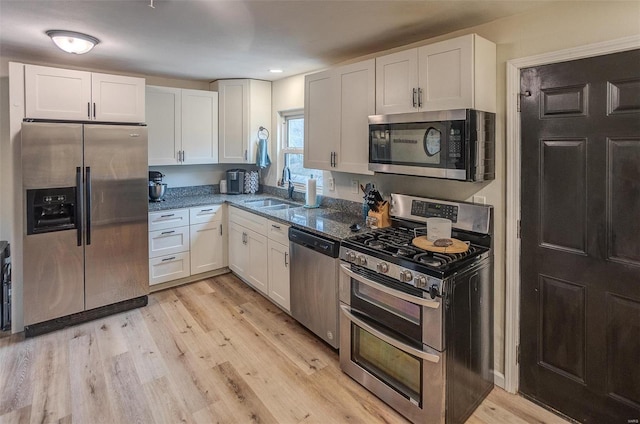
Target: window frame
x=284 y=148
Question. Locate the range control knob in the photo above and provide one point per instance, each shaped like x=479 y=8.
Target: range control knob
x=382 y=267
x=406 y=276
x=433 y=291
x=351 y=256
x=361 y=260
x=421 y=281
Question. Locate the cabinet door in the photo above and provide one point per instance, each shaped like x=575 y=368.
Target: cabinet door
x=163 y=110
x=52 y=93
x=357 y=101
x=233 y=119
x=257 y=270
x=320 y=120
x=238 y=249
x=206 y=247
x=396 y=79
x=168 y=268
x=279 y=274
x=199 y=127
x=446 y=74
x=117 y=98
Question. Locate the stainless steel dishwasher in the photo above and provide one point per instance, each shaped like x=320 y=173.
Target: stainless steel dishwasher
x=314 y=283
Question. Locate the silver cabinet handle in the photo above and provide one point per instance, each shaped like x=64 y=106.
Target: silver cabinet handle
x=395 y=293
x=431 y=357
x=277 y=227
x=168 y=232
x=183 y=156
x=94 y=110
x=220 y=229
x=286 y=259
x=88 y=110
x=167 y=216
x=413 y=97
x=419 y=97
x=246 y=155
x=168 y=259
x=206 y=210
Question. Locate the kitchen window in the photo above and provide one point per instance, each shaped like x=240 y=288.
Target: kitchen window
x=292 y=150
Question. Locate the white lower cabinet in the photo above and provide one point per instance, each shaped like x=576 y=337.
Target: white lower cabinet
x=259 y=254
x=279 y=274
x=186 y=242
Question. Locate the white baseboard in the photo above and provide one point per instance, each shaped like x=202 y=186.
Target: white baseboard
x=498 y=379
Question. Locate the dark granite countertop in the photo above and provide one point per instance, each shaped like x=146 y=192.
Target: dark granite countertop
x=326 y=221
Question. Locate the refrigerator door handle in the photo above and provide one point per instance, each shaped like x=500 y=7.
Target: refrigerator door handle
x=88 y=203
x=78 y=216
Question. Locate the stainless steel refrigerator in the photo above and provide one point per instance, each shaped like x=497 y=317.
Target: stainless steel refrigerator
x=86 y=231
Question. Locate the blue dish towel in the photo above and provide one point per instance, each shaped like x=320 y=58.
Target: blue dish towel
x=262 y=156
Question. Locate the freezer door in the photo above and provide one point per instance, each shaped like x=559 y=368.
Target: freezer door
x=53 y=279
x=50 y=154
x=116 y=235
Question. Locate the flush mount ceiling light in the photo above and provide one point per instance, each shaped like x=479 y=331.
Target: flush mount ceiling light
x=72 y=42
x=276 y=71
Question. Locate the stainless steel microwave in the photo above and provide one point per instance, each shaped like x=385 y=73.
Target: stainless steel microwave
x=455 y=144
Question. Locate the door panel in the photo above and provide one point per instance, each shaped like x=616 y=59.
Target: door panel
x=580 y=249
x=116 y=251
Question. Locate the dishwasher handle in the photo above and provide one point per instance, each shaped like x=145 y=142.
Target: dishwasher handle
x=314 y=242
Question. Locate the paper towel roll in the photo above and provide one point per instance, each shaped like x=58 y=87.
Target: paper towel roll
x=310 y=195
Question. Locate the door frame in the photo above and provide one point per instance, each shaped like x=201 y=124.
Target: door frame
x=513 y=175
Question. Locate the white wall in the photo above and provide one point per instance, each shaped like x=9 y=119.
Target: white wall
x=554 y=26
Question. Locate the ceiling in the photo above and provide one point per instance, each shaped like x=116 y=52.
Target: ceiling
x=206 y=40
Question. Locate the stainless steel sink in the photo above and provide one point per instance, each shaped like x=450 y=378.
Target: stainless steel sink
x=278 y=207
x=260 y=203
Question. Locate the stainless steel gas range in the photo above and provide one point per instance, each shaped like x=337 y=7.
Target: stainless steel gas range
x=416 y=326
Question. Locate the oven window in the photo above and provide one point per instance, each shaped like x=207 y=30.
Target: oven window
x=406 y=310
x=398 y=369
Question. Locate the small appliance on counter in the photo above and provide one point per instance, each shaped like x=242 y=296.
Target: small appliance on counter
x=157 y=188
x=235 y=181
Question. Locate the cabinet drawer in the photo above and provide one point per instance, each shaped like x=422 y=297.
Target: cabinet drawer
x=278 y=232
x=248 y=220
x=168 y=219
x=170 y=267
x=205 y=214
x=169 y=241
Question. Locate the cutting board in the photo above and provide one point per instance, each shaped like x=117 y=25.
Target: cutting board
x=458 y=246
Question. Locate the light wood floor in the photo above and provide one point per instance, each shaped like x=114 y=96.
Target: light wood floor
x=214 y=351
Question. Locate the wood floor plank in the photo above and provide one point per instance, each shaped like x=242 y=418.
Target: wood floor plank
x=215 y=351
x=128 y=403
x=284 y=334
x=51 y=394
x=90 y=401
x=145 y=353
x=167 y=406
x=17 y=375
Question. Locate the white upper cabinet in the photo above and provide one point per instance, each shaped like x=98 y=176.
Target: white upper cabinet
x=338 y=103
x=320 y=120
x=244 y=106
x=397 y=82
x=199 y=127
x=183 y=126
x=53 y=93
x=453 y=74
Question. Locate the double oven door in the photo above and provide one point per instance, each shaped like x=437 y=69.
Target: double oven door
x=392 y=342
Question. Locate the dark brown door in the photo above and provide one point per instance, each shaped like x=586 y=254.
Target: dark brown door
x=580 y=247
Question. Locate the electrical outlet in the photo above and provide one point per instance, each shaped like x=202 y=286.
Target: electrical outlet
x=332 y=184
x=479 y=200
x=355 y=186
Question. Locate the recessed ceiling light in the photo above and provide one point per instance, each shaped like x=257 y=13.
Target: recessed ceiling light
x=72 y=42
x=276 y=71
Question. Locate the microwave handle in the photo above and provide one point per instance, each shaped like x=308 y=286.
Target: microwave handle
x=393 y=342
x=395 y=293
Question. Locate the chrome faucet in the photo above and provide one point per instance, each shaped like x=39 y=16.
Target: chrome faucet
x=286 y=176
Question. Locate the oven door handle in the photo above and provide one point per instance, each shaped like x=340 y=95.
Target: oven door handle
x=413 y=299
x=393 y=342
